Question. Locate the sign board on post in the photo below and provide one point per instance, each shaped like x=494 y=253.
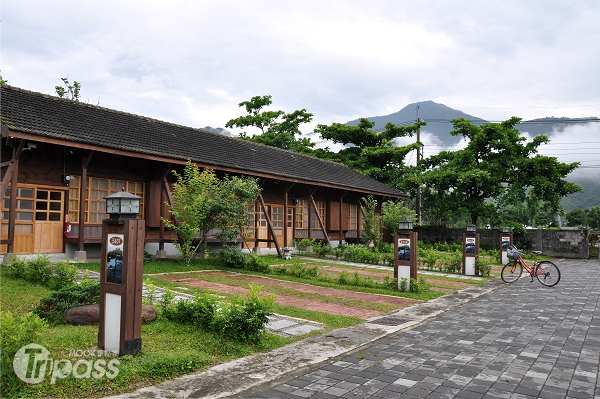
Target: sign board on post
x=405 y=261
x=505 y=242
x=121 y=286
x=470 y=253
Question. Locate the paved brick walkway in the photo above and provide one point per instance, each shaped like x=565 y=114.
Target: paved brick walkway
x=521 y=341
x=316 y=305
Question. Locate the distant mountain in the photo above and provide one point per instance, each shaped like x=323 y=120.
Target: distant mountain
x=219 y=130
x=437 y=116
x=548 y=125
x=588 y=198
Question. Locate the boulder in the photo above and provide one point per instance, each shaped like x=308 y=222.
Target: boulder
x=90 y=314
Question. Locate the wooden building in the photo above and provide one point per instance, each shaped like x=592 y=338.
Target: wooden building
x=64 y=157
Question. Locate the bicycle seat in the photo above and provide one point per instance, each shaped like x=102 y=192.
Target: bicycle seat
x=536 y=252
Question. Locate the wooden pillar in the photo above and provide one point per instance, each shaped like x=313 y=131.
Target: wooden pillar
x=85 y=161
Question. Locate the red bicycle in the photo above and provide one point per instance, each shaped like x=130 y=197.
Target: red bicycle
x=546 y=272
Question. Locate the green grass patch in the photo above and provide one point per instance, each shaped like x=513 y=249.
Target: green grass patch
x=19 y=296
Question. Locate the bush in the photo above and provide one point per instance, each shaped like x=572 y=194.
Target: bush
x=419 y=286
x=244 y=319
x=65 y=274
x=41 y=271
x=53 y=307
x=482 y=268
x=257 y=264
x=16 y=331
x=233 y=257
x=454 y=263
x=199 y=311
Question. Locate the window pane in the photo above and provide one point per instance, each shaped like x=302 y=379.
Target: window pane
x=74 y=182
x=41 y=216
x=26 y=216
x=55 y=206
x=55 y=195
x=42 y=195
x=25 y=193
x=24 y=204
x=41 y=206
x=54 y=216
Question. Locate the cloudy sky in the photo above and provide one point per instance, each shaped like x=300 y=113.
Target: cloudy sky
x=192 y=62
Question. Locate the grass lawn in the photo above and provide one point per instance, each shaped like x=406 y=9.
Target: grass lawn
x=170 y=349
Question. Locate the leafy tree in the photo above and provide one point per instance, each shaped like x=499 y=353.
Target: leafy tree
x=367 y=151
x=496 y=161
x=278 y=129
x=371 y=222
x=2 y=81
x=70 y=91
x=202 y=202
x=394 y=212
x=584 y=217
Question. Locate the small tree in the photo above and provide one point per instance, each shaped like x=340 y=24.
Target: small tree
x=202 y=202
x=371 y=222
x=71 y=92
x=394 y=212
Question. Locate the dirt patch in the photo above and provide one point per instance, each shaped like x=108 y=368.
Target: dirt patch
x=328 y=294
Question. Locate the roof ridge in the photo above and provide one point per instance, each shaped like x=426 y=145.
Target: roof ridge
x=79 y=103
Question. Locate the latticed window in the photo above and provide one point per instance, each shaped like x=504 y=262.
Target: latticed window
x=302 y=214
x=352 y=217
x=97 y=191
x=314 y=222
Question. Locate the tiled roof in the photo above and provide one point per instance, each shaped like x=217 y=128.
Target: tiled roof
x=53 y=117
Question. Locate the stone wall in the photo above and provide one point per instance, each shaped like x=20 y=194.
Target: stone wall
x=566 y=243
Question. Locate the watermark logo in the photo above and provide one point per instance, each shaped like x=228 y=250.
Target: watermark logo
x=33 y=364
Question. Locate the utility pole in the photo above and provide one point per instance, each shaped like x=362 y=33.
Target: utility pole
x=418 y=202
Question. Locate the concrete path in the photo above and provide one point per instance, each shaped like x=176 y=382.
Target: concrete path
x=522 y=341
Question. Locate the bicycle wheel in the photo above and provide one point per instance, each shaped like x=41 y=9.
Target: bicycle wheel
x=547 y=273
x=511 y=272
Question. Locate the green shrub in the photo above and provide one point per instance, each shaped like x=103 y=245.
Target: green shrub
x=482 y=268
x=255 y=263
x=16 y=331
x=321 y=249
x=244 y=319
x=64 y=274
x=233 y=257
x=403 y=283
x=40 y=271
x=453 y=264
x=419 y=286
x=52 y=308
x=199 y=311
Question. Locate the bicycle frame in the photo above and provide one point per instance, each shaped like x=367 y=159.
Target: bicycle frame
x=530 y=269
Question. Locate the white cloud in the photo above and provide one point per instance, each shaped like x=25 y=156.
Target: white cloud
x=192 y=62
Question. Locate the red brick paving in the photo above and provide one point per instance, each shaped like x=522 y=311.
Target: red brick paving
x=315 y=305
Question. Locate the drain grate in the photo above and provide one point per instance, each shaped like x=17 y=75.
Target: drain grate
x=390 y=321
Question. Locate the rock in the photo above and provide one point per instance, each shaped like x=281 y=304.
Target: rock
x=83 y=315
x=148 y=313
x=90 y=314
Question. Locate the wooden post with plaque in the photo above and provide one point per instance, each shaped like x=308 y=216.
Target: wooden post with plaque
x=405 y=259
x=121 y=266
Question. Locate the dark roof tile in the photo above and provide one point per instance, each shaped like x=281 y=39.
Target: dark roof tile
x=53 y=117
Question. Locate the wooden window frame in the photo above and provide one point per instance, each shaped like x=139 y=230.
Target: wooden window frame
x=112 y=186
